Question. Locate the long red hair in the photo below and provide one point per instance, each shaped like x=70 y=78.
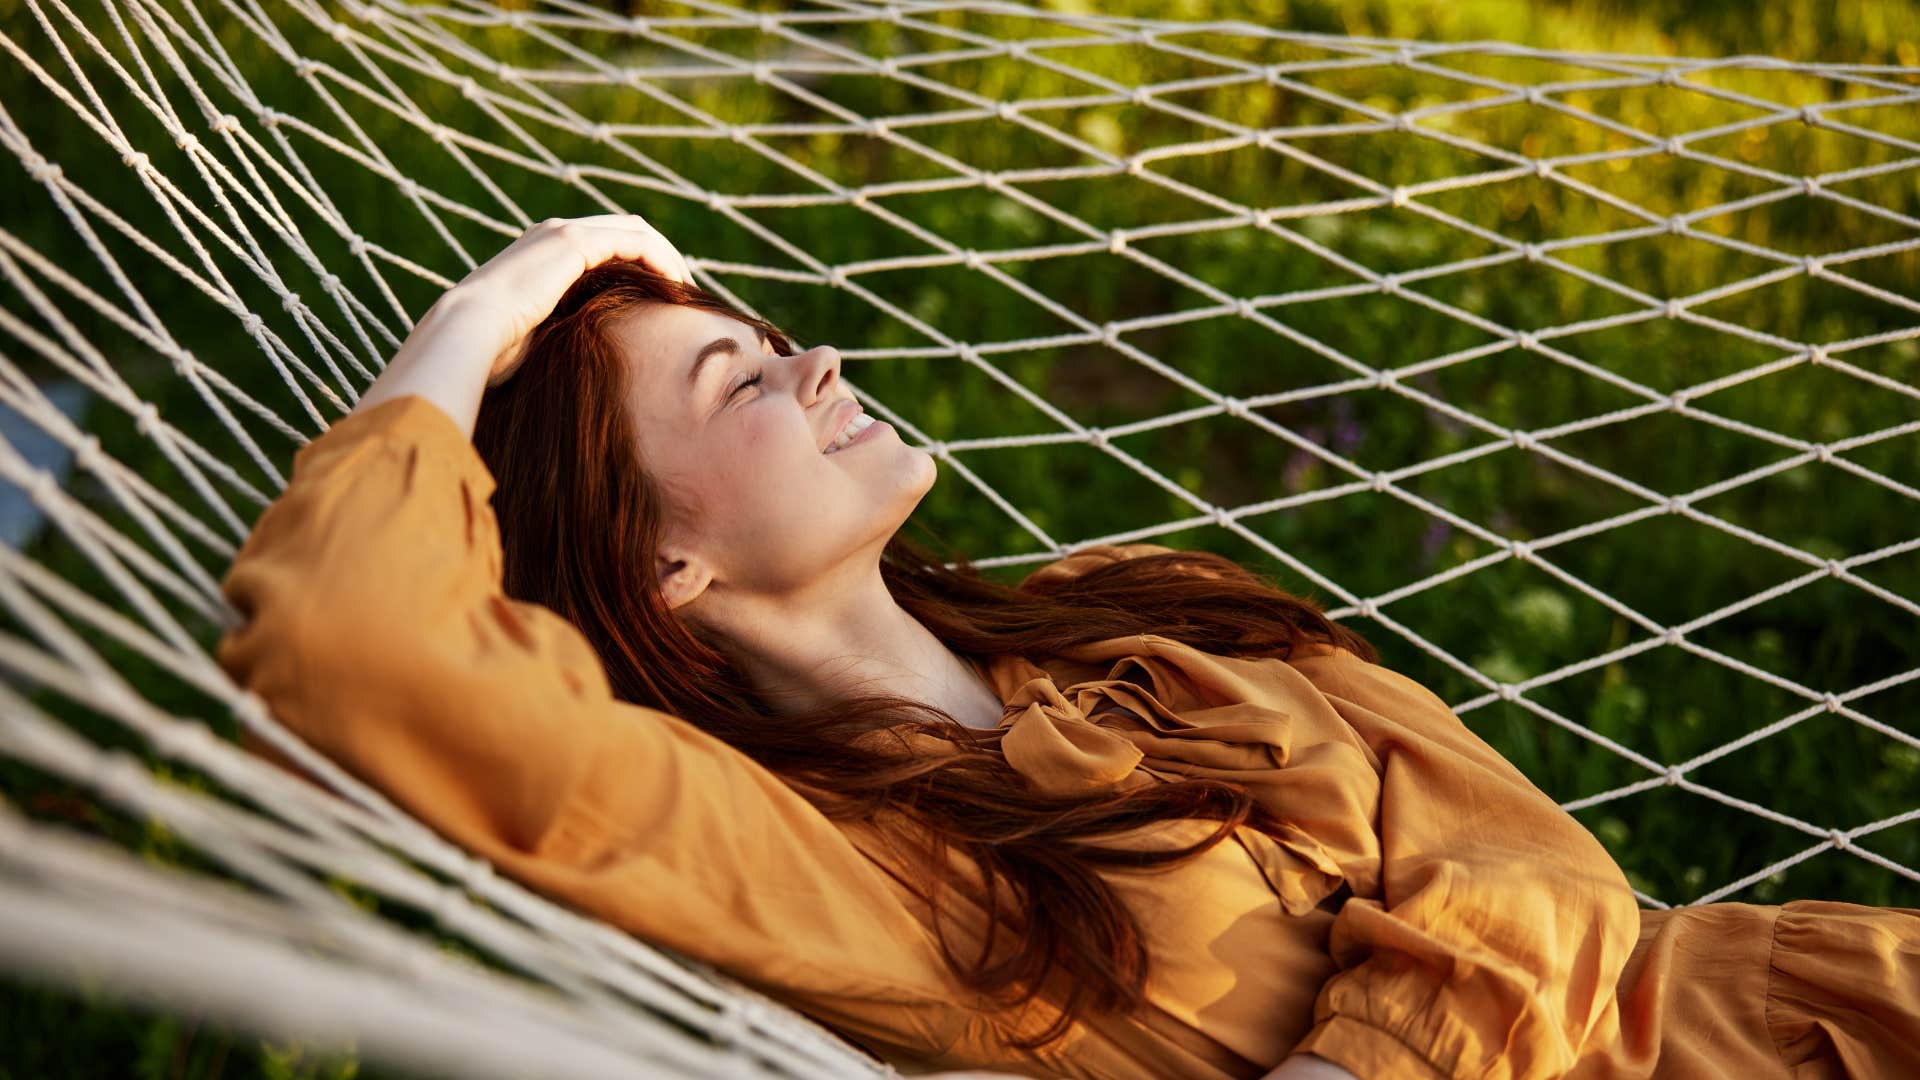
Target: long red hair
x=579 y=521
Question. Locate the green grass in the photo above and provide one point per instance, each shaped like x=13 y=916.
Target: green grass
x=1508 y=622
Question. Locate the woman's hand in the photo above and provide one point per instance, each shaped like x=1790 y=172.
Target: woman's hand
x=474 y=335
x=525 y=280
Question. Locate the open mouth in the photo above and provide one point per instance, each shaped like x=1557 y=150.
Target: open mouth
x=858 y=423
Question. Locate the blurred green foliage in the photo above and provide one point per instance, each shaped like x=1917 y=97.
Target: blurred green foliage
x=1509 y=621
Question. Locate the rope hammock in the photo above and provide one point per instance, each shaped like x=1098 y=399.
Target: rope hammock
x=226 y=210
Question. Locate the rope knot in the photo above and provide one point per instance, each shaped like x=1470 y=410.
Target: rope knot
x=252 y=323
x=1833 y=702
x=1235 y=406
x=1673 y=775
x=136 y=161
x=1673 y=636
x=44 y=170
x=1840 y=839
x=1117 y=242
x=1834 y=568
x=290 y=301
x=225 y=122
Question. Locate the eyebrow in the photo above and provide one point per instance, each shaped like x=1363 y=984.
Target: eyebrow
x=713 y=348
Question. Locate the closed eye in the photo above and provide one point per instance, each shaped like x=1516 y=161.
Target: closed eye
x=755 y=380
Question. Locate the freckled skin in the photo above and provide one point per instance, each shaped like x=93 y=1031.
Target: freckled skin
x=769 y=543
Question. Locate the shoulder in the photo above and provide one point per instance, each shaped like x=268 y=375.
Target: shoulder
x=1094 y=556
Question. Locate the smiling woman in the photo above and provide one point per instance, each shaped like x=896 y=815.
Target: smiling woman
x=640 y=641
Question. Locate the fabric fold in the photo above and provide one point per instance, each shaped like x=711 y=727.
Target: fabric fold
x=1149 y=715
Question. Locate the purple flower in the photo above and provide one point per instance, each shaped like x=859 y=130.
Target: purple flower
x=1431 y=540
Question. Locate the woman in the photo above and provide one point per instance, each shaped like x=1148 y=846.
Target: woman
x=592 y=580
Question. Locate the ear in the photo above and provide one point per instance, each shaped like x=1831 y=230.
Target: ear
x=682 y=575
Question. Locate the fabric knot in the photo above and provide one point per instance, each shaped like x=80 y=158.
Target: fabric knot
x=1050 y=741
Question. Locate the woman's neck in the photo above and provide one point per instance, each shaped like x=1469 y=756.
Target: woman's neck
x=811 y=651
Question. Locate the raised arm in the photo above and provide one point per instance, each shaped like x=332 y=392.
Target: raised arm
x=376 y=628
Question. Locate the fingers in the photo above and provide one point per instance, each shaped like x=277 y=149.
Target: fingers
x=599 y=237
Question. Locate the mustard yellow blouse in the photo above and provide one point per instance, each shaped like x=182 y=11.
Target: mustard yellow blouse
x=1427 y=911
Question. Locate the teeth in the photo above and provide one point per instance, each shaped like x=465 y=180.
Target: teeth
x=855 y=426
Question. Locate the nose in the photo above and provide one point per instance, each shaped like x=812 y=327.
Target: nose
x=821 y=370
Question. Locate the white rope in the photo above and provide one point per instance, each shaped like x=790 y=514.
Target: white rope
x=243 y=190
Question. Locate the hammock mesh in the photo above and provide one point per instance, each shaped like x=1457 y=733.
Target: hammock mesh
x=1640 y=312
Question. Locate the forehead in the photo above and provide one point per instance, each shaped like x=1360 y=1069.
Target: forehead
x=661 y=339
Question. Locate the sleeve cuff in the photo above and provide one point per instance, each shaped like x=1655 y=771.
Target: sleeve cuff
x=1367 y=1052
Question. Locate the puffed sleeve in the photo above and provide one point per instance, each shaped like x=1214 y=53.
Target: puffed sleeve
x=378 y=631
x=1500 y=925
x=1487 y=928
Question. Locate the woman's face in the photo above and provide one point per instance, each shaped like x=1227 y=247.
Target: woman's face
x=736 y=447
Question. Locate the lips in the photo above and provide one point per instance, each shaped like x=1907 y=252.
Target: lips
x=842 y=417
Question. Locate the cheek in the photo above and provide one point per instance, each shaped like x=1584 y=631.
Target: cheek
x=761 y=465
